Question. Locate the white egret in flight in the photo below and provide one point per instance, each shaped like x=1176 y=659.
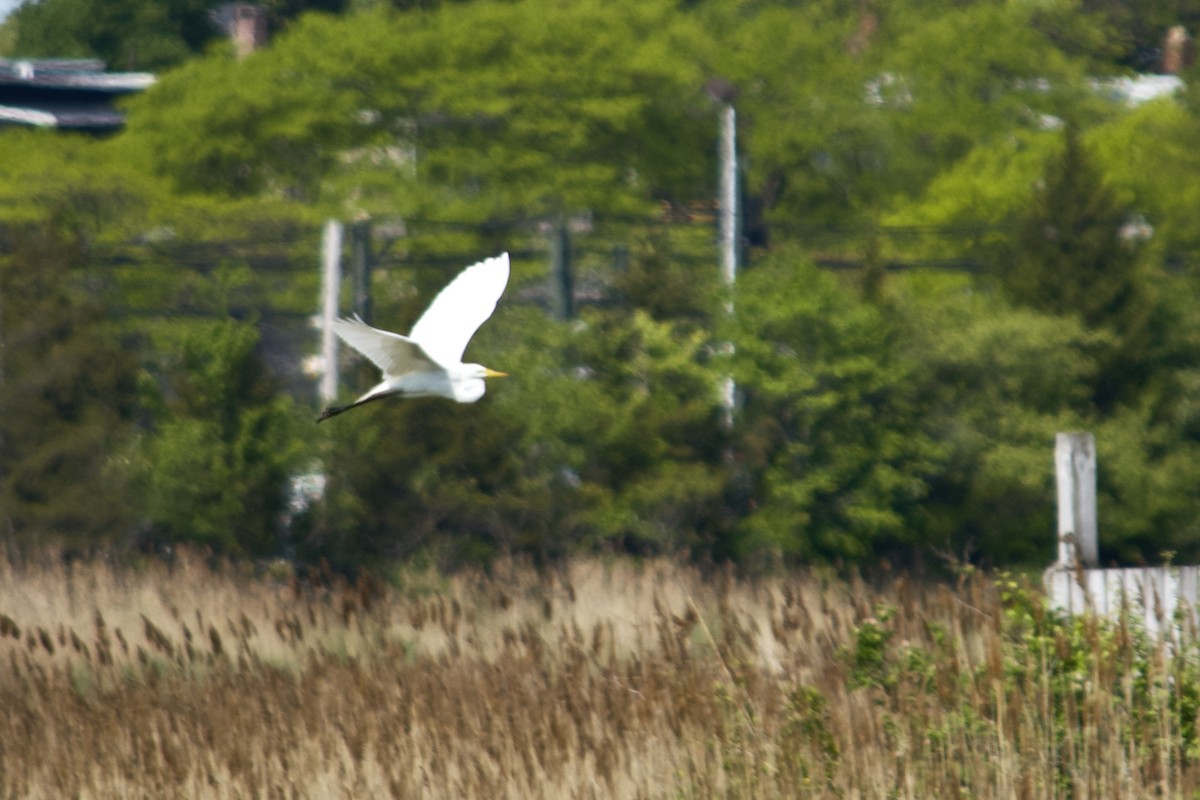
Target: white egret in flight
x=428 y=362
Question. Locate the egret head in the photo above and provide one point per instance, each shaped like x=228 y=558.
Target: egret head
x=479 y=372
x=468 y=382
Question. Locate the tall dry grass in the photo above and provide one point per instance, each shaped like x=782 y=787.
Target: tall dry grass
x=605 y=680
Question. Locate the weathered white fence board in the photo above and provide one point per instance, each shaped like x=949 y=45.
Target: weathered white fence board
x=1150 y=594
x=1075 y=473
x=1074 y=584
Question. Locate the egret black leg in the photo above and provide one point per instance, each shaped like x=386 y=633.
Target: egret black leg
x=333 y=411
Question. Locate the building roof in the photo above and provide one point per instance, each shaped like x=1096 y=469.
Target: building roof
x=65 y=93
x=1137 y=89
x=72 y=73
x=98 y=118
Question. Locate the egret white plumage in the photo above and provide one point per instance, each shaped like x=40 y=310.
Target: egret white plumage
x=428 y=362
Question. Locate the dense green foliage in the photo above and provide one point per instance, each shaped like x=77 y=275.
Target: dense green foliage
x=830 y=433
x=132 y=34
x=880 y=411
x=216 y=465
x=67 y=397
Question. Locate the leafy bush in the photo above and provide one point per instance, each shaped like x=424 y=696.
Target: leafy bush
x=829 y=437
x=67 y=395
x=216 y=464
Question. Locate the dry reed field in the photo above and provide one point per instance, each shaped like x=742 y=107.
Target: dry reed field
x=599 y=680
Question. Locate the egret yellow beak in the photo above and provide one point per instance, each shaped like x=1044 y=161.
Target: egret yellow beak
x=491 y=373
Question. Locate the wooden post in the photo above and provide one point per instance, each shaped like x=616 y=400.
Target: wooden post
x=331 y=282
x=1075 y=468
x=563 y=286
x=730 y=237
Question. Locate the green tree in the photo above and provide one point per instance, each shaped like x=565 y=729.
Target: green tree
x=127 y=35
x=830 y=441
x=132 y=34
x=8 y=36
x=73 y=181
x=1070 y=258
x=1148 y=161
x=203 y=473
x=1147 y=474
x=216 y=463
x=67 y=204
x=633 y=425
x=67 y=395
x=417 y=477
x=846 y=107
x=975 y=73
x=815 y=149
x=474 y=111
x=1124 y=336
x=972 y=208
x=1134 y=31
x=994 y=385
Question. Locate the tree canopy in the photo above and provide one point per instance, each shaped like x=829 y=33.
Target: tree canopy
x=132 y=34
x=1016 y=253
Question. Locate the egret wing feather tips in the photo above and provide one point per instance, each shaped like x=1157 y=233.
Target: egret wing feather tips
x=392 y=353
x=446 y=327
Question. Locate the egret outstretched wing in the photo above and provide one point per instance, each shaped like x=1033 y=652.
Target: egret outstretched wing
x=429 y=361
x=391 y=352
x=456 y=313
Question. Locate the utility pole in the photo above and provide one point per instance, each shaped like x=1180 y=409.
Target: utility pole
x=562 y=294
x=331 y=281
x=729 y=196
x=730 y=237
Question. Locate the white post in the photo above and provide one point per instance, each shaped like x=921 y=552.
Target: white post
x=1075 y=469
x=729 y=232
x=729 y=194
x=331 y=283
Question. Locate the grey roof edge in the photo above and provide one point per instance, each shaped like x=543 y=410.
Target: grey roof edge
x=71 y=73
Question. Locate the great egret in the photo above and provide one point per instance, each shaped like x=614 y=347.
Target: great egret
x=428 y=362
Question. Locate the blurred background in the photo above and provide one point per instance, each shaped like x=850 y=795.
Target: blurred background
x=958 y=228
